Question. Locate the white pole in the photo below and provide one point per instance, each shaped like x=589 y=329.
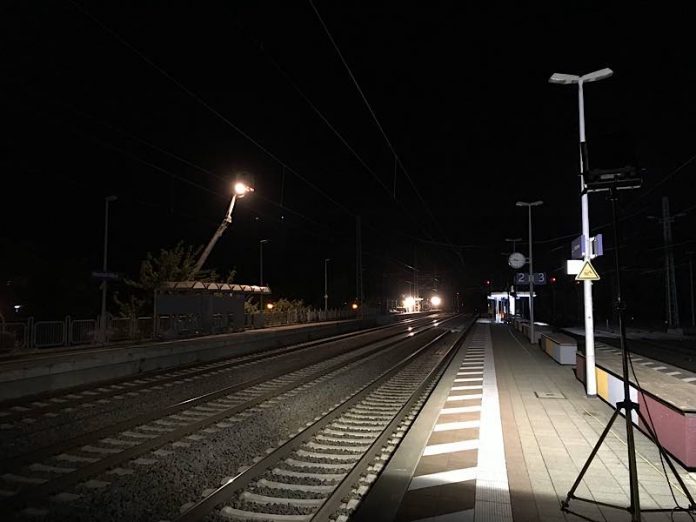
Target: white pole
x=261 y=272
x=326 y=288
x=102 y=326
x=531 y=280
x=590 y=377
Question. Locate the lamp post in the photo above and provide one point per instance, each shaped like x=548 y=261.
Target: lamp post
x=102 y=318
x=691 y=287
x=326 y=287
x=261 y=243
x=514 y=242
x=572 y=79
x=531 y=266
x=240 y=190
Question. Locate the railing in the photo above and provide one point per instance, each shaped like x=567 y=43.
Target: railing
x=13 y=336
x=85 y=332
x=47 y=334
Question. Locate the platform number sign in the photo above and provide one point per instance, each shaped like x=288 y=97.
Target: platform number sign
x=538 y=278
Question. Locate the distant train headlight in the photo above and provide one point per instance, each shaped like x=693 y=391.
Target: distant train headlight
x=435 y=300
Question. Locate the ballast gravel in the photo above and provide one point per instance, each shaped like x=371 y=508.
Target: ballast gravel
x=23 y=437
x=158 y=491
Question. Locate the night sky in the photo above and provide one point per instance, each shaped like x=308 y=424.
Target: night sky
x=164 y=103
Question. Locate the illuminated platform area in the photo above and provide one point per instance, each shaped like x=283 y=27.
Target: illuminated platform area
x=503 y=438
x=503 y=306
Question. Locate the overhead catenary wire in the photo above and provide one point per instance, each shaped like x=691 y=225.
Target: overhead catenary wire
x=379 y=126
x=189 y=163
x=343 y=140
x=208 y=107
x=327 y=233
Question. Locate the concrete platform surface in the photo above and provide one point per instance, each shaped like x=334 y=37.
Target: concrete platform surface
x=505 y=436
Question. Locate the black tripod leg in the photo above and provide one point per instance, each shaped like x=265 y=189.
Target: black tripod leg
x=653 y=437
x=571 y=493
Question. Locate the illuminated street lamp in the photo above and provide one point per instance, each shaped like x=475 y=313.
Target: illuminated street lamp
x=354 y=306
x=240 y=190
x=572 y=79
x=531 y=269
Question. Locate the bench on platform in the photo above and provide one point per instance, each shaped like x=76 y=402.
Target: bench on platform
x=517 y=323
x=560 y=347
x=538 y=330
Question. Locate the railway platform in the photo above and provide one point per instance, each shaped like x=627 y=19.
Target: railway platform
x=503 y=438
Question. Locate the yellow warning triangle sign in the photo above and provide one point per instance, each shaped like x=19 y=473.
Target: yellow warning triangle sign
x=587 y=273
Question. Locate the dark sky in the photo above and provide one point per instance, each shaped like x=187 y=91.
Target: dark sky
x=163 y=104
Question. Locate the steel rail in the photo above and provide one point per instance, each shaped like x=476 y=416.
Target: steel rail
x=206 y=367
x=226 y=492
x=110 y=461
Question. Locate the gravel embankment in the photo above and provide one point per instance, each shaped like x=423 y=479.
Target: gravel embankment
x=23 y=437
x=157 y=491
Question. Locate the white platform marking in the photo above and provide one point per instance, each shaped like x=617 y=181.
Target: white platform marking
x=448 y=426
x=444 y=477
x=492 y=474
x=469 y=397
x=451 y=447
x=462 y=409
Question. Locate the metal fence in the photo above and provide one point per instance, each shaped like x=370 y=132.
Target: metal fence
x=47 y=334
x=13 y=335
x=85 y=332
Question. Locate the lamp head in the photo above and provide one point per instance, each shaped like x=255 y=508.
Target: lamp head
x=564 y=79
x=595 y=76
x=241 y=189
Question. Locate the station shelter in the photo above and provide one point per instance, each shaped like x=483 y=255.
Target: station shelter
x=502 y=306
x=216 y=306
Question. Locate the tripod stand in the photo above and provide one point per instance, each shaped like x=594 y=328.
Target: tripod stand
x=628 y=406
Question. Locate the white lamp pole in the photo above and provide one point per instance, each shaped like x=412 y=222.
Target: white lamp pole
x=102 y=326
x=571 y=79
x=261 y=243
x=531 y=267
x=326 y=287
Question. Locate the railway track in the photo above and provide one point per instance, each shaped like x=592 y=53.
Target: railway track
x=54 y=469
x=30 y=410
x=322 y=472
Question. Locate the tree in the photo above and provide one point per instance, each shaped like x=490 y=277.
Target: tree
x=286 y=305
x=176 y=264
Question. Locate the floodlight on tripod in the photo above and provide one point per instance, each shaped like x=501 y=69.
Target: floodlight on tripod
x=613 y=180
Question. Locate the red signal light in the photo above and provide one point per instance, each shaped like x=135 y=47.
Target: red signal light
x=553 y=279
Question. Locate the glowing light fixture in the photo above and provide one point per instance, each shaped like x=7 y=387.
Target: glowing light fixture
x=435 y=300
x=269 y=306
x=241 y=189
x=354 y=306
x=410 y=302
